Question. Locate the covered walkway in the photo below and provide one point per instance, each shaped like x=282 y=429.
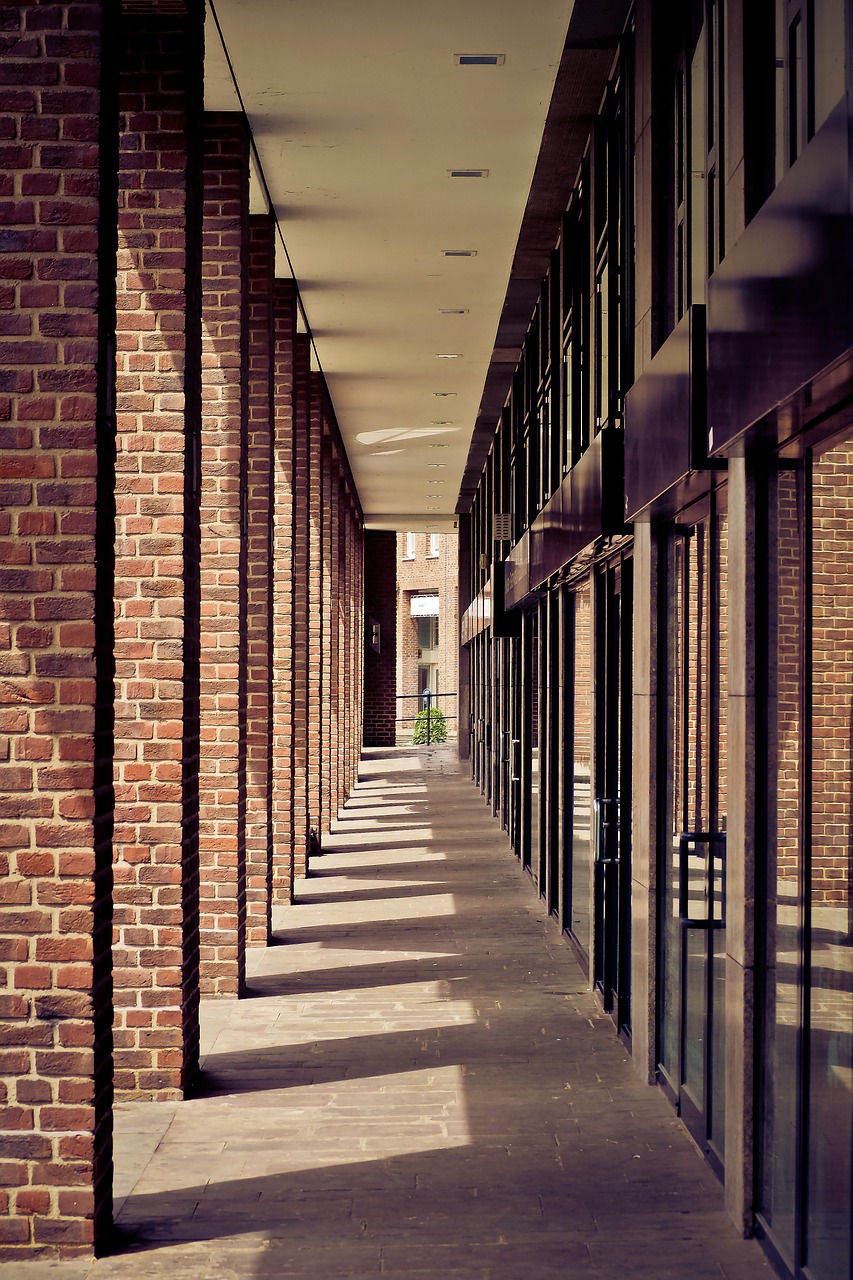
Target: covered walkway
x=419 y=1085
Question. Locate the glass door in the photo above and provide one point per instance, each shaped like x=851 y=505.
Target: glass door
x=612 y=867
x=578 y=692
x=556 y=748
x=693 y=925
x=514 y=705
x=530 y=746
x=806 y=1060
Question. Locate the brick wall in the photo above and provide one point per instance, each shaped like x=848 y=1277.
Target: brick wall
x=317 y=745
x=222 y=778
x=119 y=715
x=832 y=627
x=158 y=334
x=336 y=798
x=380 y=604
x=300 y=589
x=55 y=696
x=329 y=481
x=282 y=617
x=434 y=574
x=259 y=582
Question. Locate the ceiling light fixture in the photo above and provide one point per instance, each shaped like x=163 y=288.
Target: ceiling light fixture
x=448 y=355
x=479 y=59
x=436 y=464
x=440 y=446
x=440 y=422
x=444 y=393
x=453 y=311
x=467 y=173
x=459 y=253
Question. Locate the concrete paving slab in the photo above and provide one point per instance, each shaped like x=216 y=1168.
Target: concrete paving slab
x=420 y=1086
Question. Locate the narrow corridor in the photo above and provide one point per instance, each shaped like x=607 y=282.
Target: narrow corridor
x=419 y=1085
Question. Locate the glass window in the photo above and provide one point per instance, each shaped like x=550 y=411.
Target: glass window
x=806 y=1198
x=581 y=837
x=411 y=546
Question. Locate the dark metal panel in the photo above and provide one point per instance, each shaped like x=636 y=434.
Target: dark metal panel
x=488 y=612
x=504 y=622
x=517 y=573
x=665 y=423
x=587 y=505
x=780 y=306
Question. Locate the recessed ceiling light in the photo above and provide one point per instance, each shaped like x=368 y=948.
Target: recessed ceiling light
x=479 y=59
x=436 y=464
x=440 y=422
x=467 y=173
x=459 y=253
x=439 y=446
x=433 y=508
x=444 y=393
x=448 y=355
x=453 y=311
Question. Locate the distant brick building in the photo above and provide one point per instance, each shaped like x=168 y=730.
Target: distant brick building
x=427 y=627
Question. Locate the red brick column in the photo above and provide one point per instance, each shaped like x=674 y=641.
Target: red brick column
x=318 y=685
x=302 y=675
x=358 y=632
x=356 y=639
x=259 y=583
x=353 y=645
x=345 y=583
x=380 y=669
x=336 y=797
x=55 y=634
x=158 y=363
x=328 y=726
x=222 y=759
x=282 y=732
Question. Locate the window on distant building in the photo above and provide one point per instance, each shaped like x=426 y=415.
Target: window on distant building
x=410 y=552
x=433 y=545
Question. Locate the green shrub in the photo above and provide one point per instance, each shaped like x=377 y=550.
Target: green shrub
x=437 y=727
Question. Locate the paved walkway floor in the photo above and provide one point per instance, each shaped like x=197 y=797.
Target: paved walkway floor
x=419 y=1087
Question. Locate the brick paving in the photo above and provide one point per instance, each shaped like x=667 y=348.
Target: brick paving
x=419 y=1087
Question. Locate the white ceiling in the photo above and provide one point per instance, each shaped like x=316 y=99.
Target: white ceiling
x=358 y=111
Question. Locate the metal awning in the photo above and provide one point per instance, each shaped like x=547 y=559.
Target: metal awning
x=424 y=606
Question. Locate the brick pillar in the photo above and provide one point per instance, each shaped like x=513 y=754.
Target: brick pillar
x=156 y=645
x=335 y=639
x=285 y=341
x=56 y=688
x=327 y=659
x=346 y=623
x=302 y=675
x=358 y=633
x=222 y=757
x=318 y=685
x=259 y=583
x=380 y=667
x=354 y=645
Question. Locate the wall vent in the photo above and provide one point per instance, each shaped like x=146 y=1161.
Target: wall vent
x=480 y=59
x=502 y=527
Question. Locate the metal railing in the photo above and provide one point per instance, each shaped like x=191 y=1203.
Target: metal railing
x=429 y=705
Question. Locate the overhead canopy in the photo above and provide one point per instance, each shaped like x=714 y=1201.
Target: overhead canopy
x=396 y=145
